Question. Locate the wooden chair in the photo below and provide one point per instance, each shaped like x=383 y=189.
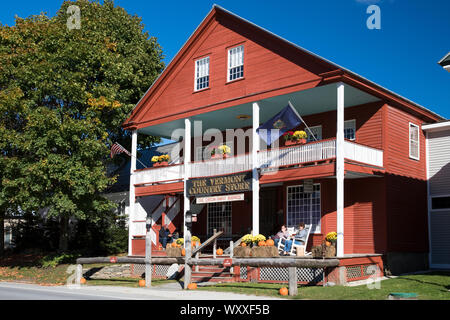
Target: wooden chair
x=282 y=241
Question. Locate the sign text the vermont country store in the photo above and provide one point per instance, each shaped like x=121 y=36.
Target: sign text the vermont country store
x=219 y=185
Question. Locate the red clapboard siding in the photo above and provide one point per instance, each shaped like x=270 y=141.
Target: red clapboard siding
x=267 y=66
x=397 y=149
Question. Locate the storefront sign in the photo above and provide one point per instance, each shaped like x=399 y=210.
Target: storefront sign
x=308 y=185
x=234 y=183
x=223 y=198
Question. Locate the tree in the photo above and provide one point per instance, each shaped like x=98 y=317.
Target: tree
x=64 y=93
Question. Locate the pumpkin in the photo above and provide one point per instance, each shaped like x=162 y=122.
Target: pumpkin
x=261 y=243
x=178 y=245
x=243 y=244
x=192 y=286
x=270 y=242
x=219 y=251
x=82 y=280
x=284 y=291
x=174 y=244
x=327 y=243
x=142 y=283
x=183 y=252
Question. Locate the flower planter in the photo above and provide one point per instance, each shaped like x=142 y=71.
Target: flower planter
x=294 y=142
x=219 y=156
x=161 y=164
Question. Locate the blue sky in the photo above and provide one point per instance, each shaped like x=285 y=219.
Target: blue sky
x=401 y=57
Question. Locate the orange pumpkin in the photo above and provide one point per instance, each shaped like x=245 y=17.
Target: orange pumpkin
x=183 y=252
x=219 y=251
x=82 y=280
x=261 y=243
x=192 y=286
x=142 y=283
x=174 y=244
x=243 y=244
x=270 y=242
x=178 y=245
x=284 y=291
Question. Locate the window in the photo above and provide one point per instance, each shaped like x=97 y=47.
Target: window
x=235 y=63
x=316 y=131
x=304 y=207
x=219 y=218
x=202 y=74
x=350 y=129
x=413 y=141
x=440 y=203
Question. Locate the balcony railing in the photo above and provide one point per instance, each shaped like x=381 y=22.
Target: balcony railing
x=271 y=158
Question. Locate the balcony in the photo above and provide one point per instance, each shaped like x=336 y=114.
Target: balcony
x=270 y=159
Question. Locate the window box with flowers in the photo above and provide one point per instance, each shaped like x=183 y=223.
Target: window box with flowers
x=294 y=137
x=220 y=152
x=161 y=161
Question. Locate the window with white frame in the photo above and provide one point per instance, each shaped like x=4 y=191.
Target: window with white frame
x=219 y=218
x=350 y=129
x=316 y=131
x=202 y=73
x=235 y=63
x=303 y=207
x=413 y=141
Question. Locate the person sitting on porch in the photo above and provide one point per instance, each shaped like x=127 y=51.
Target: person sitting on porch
x=164 y=236
x=297 y=239
x=282 y=233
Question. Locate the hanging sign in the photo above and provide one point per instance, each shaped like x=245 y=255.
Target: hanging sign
x=308 y=186
x=221 y=198
x=239 y=182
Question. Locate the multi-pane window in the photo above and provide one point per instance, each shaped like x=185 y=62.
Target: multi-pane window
x=350 y=129
x=316 y=131
x=304 y=207
x=413 y=141
x=219 y=218
x=236 y=63
x=202 y=73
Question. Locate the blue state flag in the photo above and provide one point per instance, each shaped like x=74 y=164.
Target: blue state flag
x=285 y=120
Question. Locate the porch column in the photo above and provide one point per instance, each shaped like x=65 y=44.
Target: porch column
x=132 y=194
x=340 y=170
x=255 y=165
x=187 y=203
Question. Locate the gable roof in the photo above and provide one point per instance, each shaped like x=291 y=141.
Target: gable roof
x=336 y=72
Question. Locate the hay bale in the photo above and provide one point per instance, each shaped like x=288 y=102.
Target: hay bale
x=173 y=252
x=330 y=251
x=242 y=251
x=265 y=252
x=317 y=251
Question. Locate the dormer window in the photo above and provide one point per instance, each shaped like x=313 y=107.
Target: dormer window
x=202 y=73
x=235 y=63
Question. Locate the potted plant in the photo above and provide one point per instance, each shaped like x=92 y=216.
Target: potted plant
x=295 y=137
x=222 y=151
x=330 y=239
x=162 y=160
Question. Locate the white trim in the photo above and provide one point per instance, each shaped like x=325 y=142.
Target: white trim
x=418 y=140
x=436 y=126
x=427 y=158
x=255 y=166
x=132 y=194
x=196 y=70
x=320 y=211
x=228 y=62
x=354 y=126
x=340 y=169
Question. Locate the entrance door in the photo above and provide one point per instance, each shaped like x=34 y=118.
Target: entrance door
x=268 y=205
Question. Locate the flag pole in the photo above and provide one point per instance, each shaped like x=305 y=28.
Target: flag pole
x=298 y=115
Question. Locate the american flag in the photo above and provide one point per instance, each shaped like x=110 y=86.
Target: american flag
x=117 y=148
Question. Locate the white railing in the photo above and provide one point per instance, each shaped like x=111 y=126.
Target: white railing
x=297 y=154
x=224 y=166
x=151 y=175
x=272 y=158
x=357 y=152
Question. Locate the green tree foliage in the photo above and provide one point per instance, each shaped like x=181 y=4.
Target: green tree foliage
x=64 y=94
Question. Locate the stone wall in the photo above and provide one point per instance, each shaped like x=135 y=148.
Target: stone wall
x=108 y=272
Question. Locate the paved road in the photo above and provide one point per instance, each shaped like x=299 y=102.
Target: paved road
x=22 y=291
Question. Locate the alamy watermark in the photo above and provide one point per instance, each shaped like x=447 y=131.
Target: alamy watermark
x=74 y=20
x=374 y=20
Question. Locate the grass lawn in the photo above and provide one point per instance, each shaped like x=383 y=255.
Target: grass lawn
x=429 y=286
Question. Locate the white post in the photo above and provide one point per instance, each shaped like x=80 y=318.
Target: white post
x=187 y=203
x=255 y=165
x=340 y=170
x=132 y=197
